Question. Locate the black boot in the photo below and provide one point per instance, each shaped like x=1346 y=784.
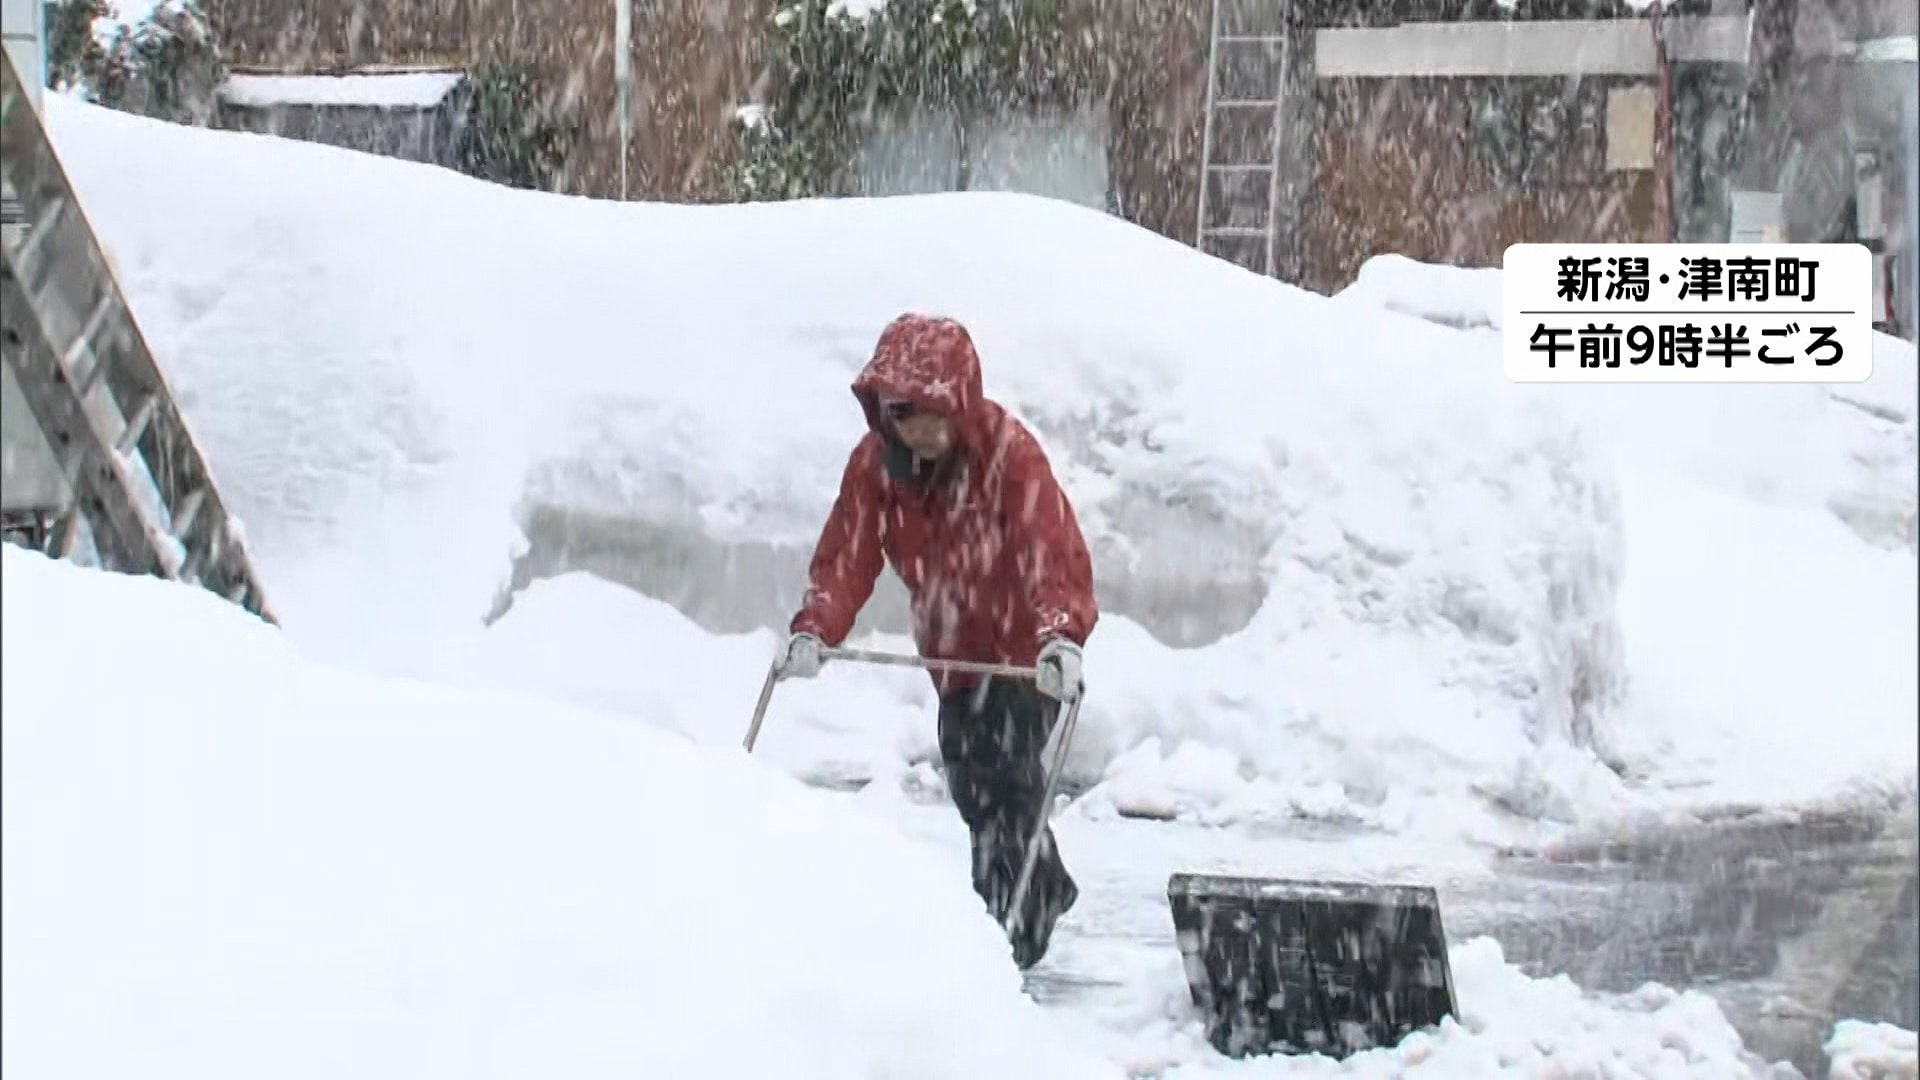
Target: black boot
x=1051 y=895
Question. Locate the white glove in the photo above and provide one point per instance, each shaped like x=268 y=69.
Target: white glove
x=801 y=658
x=1059 y=669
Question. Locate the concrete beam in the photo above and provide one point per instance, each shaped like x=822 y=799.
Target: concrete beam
x=1546 y=47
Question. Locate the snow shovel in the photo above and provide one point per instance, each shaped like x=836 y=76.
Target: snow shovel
x=969 y=667
x=1310 y=967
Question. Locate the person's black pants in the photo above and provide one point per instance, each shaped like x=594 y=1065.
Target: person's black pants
x=992 y=742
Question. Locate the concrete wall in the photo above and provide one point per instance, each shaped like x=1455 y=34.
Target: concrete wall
x=425 y=135
x=1544 y=47
x=1155 y=57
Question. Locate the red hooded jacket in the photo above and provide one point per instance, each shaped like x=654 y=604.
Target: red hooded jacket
x=988 y=547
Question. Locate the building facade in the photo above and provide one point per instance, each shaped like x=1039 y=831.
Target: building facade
x=1440 y=129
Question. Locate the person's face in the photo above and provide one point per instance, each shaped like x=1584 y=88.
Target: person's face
x=928 y=435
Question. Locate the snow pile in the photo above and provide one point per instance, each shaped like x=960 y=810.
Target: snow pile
x=1507 y=1025
x=1889 y=49
x=447 y=881
x=272 y=868
x=1403 y=571
x=574 y=638
x=1767 y=611
x=1815 y=698
x=1463 y=297
x=1847 y=448
x=1861 y=1051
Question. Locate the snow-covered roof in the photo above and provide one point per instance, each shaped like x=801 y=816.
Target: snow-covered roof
x=1889 y=49
x=373 y=90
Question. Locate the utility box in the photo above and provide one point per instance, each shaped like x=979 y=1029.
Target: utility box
x=1756 y=217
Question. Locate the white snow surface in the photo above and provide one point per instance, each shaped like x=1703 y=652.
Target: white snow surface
x=381 y=90
x=1464 y=297
x=295 y=869
x=381 y=387
x=469 y=878
x=1452 y=589
x=1858 y=1050
x=1767 y=601
x=857 y=10
x=230 y=861
x=1889 y=50
x=1513 y=1026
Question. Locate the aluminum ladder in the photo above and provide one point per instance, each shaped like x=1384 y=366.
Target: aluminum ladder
x=137 y=482
x=1240 y=141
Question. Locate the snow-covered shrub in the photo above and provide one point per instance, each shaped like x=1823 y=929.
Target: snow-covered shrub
x=841 y=61
x=513 y=129
x=769 y=164
x=71 y=46
x=161 y=61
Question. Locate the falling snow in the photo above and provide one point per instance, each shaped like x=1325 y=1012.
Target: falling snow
x=534 y=478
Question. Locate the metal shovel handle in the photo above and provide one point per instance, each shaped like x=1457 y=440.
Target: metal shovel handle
x=964 y=667
x=760 y=709
x=868 y=656
x=1017 y=903
x=1024 y=882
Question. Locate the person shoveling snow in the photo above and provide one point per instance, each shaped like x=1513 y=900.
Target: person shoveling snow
x=958 y=497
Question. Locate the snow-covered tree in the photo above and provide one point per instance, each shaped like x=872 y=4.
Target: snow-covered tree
x=838 y=61
x=514 y=128
x=159 y=59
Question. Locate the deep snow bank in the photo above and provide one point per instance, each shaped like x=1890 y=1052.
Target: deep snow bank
x=1876 y=1051
x=1768 y=606
x=224 y=860
x=308 y=872
x=1845 y=448
x=388 y=363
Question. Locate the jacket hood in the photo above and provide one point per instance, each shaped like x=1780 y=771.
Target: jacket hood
x=929 y=361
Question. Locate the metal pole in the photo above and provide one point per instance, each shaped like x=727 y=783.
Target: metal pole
x=623 y=79
x=1663 y=210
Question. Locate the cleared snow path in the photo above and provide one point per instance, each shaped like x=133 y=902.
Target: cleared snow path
x=1790 y=923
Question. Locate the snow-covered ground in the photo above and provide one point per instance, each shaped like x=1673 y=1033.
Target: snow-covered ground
x=1873 y=1052
x=282 y=867
x=1350 y=574
x=229 y=861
